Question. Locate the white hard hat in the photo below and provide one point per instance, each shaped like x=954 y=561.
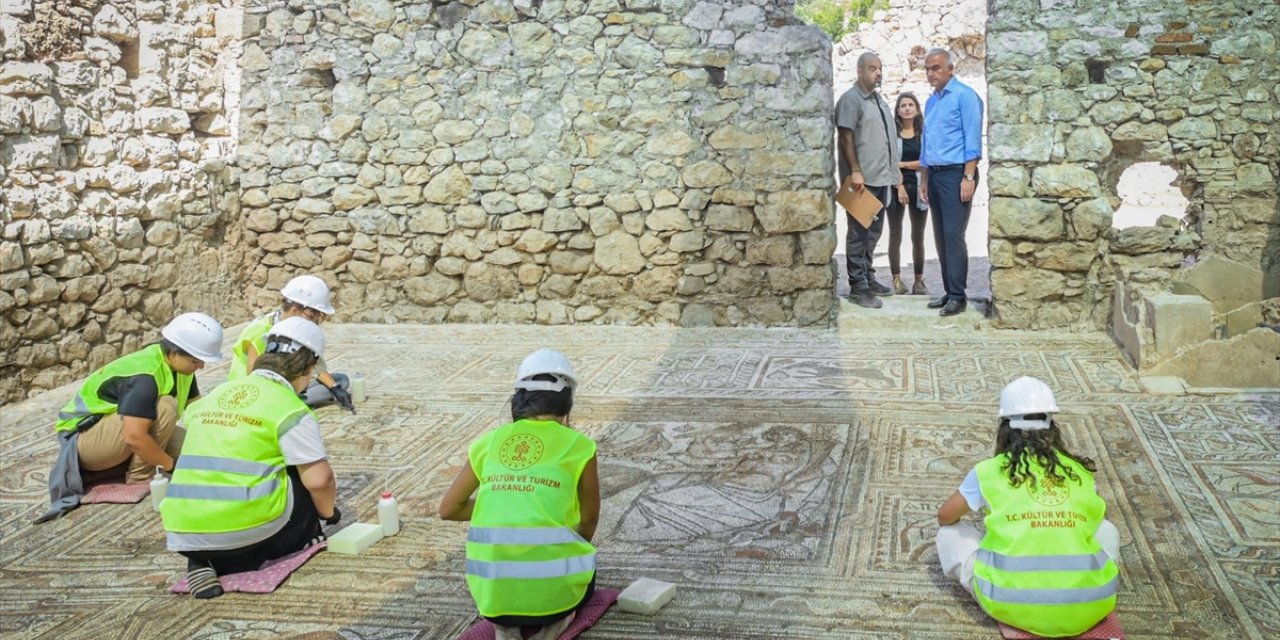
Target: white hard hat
x=545 y=361
x=302 y=332
x=197 y=334
x=1027 y=396
x=309 y=291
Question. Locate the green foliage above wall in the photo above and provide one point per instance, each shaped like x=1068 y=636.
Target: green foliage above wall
x=838 y=17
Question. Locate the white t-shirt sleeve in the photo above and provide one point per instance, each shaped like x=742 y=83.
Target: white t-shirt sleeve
x=972 y=492
x=303 y=444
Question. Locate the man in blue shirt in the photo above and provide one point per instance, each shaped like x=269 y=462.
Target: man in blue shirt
x=951 y=146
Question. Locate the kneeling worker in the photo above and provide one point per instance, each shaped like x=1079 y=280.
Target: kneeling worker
x=253 y=482
x=128 y=411
x=304 y=297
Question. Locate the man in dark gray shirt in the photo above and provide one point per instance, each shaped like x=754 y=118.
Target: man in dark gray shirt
x=869 y=154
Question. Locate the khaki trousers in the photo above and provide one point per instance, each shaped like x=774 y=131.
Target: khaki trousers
x=102 y=446
x=958 y=549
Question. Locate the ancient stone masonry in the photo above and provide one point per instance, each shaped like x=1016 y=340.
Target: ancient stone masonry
x=1081 y=90
x=610 y=161
x=115 y=198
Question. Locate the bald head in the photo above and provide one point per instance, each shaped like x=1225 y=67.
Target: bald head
x=869 y=71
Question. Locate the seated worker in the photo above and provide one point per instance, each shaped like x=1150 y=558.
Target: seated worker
x=304 y=297
x=1047 y=563
x=253 y=481
x=530 y=562
x=128 y=411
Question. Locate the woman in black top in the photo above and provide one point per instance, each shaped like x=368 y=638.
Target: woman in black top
x=910 y=126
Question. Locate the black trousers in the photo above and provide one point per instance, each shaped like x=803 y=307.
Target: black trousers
x=303 y=526
x=542 y=621
x=897 y=212
x=860 y=244
x=950 y=221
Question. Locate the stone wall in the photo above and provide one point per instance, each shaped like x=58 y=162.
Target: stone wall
x=116 y=199
x=1081 y=90
x=610 y=161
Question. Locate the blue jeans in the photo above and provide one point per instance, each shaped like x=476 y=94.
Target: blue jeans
x=950 y=221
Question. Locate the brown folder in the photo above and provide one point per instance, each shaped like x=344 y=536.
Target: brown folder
x=862 y=205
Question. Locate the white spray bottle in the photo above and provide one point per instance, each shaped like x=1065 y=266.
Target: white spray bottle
x=388 y=508
x=388 y=514
x=159 y=487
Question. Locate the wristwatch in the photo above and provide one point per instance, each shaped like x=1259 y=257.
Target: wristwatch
x=968 y=177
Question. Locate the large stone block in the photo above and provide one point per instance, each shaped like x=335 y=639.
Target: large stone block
x=25 y=79
x=1243 y=362
x=619 y=254
x=1021 y=142
x=1065 y=181
x=1226 y=284
x=30 y=151
x=1027 y=218
x=1178 y=321
x=1139 y=240
x=163 y=120
x=790 y=211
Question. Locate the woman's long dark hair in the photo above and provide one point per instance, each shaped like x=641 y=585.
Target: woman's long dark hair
x=526 y=403
x=1042 y=446
x=917 y=123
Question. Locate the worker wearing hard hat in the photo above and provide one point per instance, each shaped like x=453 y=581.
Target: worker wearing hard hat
x=125 y=415
x=304 y=297
x=536 y=504
x=253 y=483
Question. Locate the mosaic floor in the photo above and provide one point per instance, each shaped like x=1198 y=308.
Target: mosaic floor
x=786 y=480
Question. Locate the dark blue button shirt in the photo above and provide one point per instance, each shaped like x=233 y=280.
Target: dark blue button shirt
x=952 y=126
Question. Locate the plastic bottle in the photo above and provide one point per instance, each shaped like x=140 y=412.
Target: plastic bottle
x=389 y=514
x=357 y=387
x=159 y=487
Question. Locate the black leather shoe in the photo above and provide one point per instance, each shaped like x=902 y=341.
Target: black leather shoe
x=953 y=307
x=937 y=303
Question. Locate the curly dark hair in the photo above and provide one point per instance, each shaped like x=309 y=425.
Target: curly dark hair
x=1042 y=446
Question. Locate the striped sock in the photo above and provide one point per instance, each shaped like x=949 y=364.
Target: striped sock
x=203 y=583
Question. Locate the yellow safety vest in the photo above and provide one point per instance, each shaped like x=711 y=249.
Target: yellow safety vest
x=256 y=334
x=149 y=360
x=231 y=476
x=524 y=554
x=1039 y=567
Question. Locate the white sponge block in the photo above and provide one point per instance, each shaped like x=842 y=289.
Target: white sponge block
x=355 y=538
x=646 y=596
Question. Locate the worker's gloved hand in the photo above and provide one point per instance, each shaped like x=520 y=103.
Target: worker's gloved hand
x=335 y=518
x=343 y=398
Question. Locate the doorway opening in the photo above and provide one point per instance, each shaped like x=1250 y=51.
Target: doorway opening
x=900 y=35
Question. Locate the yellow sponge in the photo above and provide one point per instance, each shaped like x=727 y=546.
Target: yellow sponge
x=355 y=538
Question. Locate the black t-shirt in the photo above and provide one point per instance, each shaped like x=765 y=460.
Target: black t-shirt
x=137 y=395
x=910 y=153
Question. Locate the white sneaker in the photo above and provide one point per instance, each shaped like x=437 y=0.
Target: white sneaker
x=553 y=630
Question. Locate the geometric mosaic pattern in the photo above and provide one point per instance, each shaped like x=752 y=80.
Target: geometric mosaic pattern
x=785 y=480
